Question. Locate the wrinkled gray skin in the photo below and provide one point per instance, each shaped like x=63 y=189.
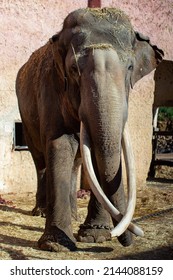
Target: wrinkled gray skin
x=83 y=74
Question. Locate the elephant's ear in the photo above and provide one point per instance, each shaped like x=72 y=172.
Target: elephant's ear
x=59 y=55
x=147 y=57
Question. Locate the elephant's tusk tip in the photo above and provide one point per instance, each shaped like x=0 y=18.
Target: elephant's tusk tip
x=142 y=233
x=137 y=231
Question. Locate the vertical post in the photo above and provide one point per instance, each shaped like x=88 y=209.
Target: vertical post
x=94 y=3
x=155 y=118
x=152 y=170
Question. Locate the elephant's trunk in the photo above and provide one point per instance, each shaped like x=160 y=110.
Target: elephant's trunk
x=98 y=192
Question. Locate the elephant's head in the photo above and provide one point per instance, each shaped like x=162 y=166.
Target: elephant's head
x=99 y=57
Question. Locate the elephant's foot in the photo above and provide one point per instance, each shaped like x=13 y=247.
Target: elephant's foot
x=126 y=239
x=93 y=233
x=56 y=241
x=39 y=211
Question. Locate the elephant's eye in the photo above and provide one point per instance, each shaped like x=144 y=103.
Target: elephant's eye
x=130 y=67
x=74 y=68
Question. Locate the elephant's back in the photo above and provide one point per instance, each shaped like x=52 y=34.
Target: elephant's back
x=33 y=72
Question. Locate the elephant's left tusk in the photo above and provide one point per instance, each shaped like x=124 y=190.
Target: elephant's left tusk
x=94 y=184
x=131 y=183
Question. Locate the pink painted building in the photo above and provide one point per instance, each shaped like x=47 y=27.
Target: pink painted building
x=27 y=25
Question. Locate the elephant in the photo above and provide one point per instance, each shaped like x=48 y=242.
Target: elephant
x=73 y=100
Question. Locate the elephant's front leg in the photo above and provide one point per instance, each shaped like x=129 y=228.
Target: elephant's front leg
x=58 y=235
x=96 y=227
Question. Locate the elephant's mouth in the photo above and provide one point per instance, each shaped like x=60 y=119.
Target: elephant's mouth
x=124 y=222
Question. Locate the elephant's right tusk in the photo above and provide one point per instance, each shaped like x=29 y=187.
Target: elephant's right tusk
x=94 y=184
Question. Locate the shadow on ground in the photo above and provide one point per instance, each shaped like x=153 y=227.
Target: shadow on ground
x=161 y=253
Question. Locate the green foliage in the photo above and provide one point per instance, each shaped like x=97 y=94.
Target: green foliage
x=165 y=113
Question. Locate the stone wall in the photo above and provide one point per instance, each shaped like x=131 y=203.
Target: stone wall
x=25 y=26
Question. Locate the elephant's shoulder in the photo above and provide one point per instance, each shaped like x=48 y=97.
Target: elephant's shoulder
x=42 y=56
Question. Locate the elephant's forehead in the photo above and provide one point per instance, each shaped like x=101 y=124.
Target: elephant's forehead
x=100 y=26
x=104 y=38
x=85 y=28
x=108 y=21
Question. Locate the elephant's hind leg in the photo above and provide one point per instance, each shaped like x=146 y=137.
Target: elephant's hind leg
x=40 y=165
x=40 y=207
